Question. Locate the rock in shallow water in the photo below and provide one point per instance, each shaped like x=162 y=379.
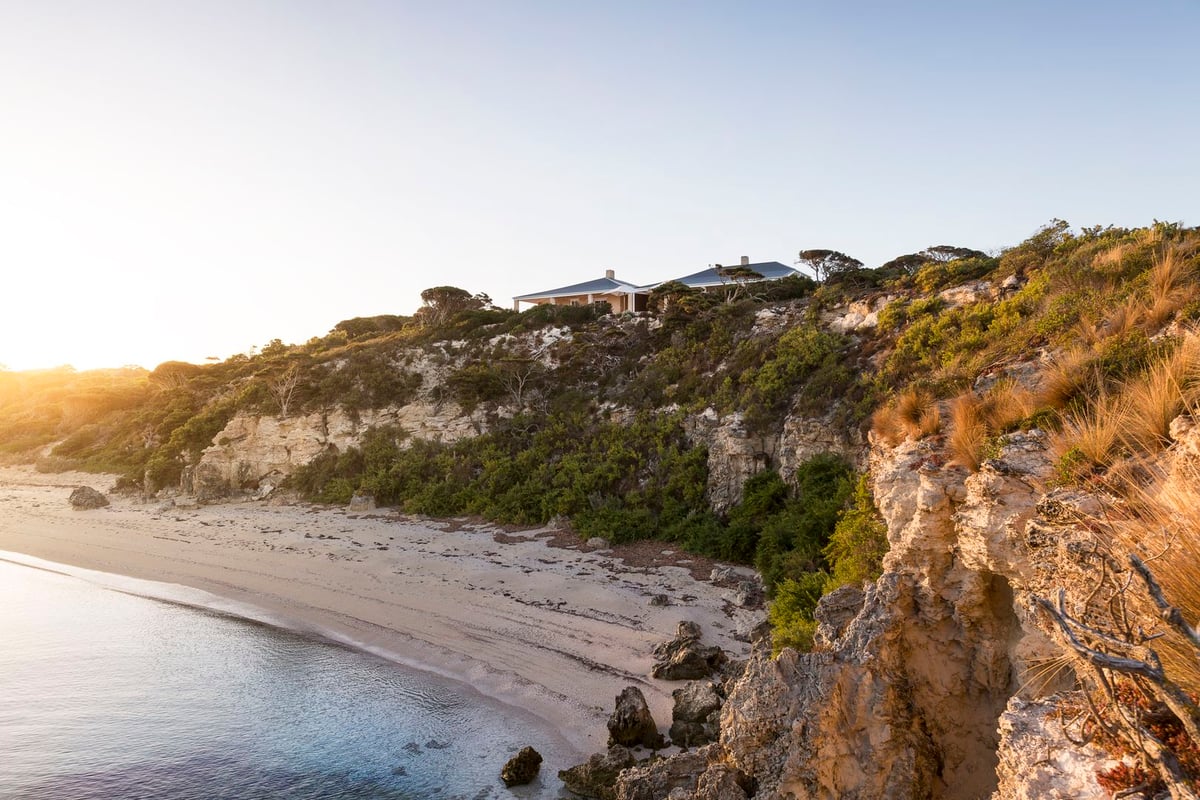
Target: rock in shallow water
x=521 y=768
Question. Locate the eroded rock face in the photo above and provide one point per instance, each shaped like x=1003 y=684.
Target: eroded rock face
x=1038 y=761
x=735 y=453
x=251 y=448
x=631 y=723
x=905 y=697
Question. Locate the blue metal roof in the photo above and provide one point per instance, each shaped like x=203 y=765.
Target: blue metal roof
x=770 y=271
x=598 y=286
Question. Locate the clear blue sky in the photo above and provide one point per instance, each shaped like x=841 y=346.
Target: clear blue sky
x=183 y=179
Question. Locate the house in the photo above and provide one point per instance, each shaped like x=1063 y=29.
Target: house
x=622 y=296
x=711 y=278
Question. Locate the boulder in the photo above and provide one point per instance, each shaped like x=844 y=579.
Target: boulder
x=521 y=768
x=696 y=717
x=631 y=723
x=86 y=497
x=597 y=543
x=684 y=658
x=749 y=595
x=361 y=503
x=597 y=777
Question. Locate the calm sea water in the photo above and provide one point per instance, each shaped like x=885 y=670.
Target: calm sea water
x=109 y=695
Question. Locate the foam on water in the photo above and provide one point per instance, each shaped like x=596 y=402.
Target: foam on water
x=107 y=694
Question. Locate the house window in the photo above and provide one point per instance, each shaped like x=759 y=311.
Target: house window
x=574 y=302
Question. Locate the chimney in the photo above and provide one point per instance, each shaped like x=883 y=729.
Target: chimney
x=745 y=261
x=608 y=273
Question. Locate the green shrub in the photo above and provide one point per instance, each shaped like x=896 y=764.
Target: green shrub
x=791 y=612
x=859 y=541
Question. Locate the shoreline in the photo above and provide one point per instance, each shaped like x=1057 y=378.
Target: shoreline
x=549 y=630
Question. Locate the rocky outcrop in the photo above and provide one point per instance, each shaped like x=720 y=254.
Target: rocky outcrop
x=521 y=768
x=631 y=723
x=684 y=658
x=597 y=777
x=696 y=717
x=252 y=449
x=1039 y=762
x=735 y=453
x=858 y=315
x=695 y=775
x=904 y=697
x=85 y=497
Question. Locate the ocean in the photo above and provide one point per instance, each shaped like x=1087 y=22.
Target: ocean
x=108 y=694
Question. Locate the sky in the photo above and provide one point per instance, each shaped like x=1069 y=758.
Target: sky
x=194 y=178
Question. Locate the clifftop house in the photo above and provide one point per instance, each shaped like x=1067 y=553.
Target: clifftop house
x=620 y=295
x=624 y=296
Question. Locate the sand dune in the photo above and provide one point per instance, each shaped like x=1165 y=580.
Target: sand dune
x=556 y=631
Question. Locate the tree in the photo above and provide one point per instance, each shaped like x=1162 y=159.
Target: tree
x=825 y=263
x=740 y=278
x=283 y=387
x=677 y=297
x=442 y=303
x=948 y=252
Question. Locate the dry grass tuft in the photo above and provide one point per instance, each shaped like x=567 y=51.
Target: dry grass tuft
x=1113 y=256
x=886 y=425
x=1172 y=286
x=1066 y=377
x=914 y=414
x=1091 y=438
x=968 y=431
x=1007 y=403
x=1152 y=401
x=1162 y=526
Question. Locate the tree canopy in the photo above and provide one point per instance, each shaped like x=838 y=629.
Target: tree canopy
x=442 y=303
x=824 y=263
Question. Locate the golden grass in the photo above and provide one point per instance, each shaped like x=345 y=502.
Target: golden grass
x=1007 y=403
x=1113 y=256
x=913 y=414
x=1162 y=526
x=1172 y=286
x=1094 y=433
x=1152 y=401
x=968 y=431
x=1065 y=377
x=886 y=426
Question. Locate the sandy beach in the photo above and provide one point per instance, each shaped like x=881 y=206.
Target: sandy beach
x=525 y=617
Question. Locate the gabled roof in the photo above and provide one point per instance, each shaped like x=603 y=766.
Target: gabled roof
x=598 y=286
x=770 y=271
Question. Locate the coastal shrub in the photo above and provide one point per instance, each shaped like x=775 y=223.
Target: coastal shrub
x=791 y=612
x=792 y=528
x=858 y=543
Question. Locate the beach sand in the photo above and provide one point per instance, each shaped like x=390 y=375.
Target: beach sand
x=525 y=617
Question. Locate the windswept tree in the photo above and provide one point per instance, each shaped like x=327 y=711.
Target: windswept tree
x=677 y=297
x=738 y=280
x=826 y=263
x=442 y=303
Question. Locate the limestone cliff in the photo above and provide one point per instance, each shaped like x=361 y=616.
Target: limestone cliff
x=929 y=683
